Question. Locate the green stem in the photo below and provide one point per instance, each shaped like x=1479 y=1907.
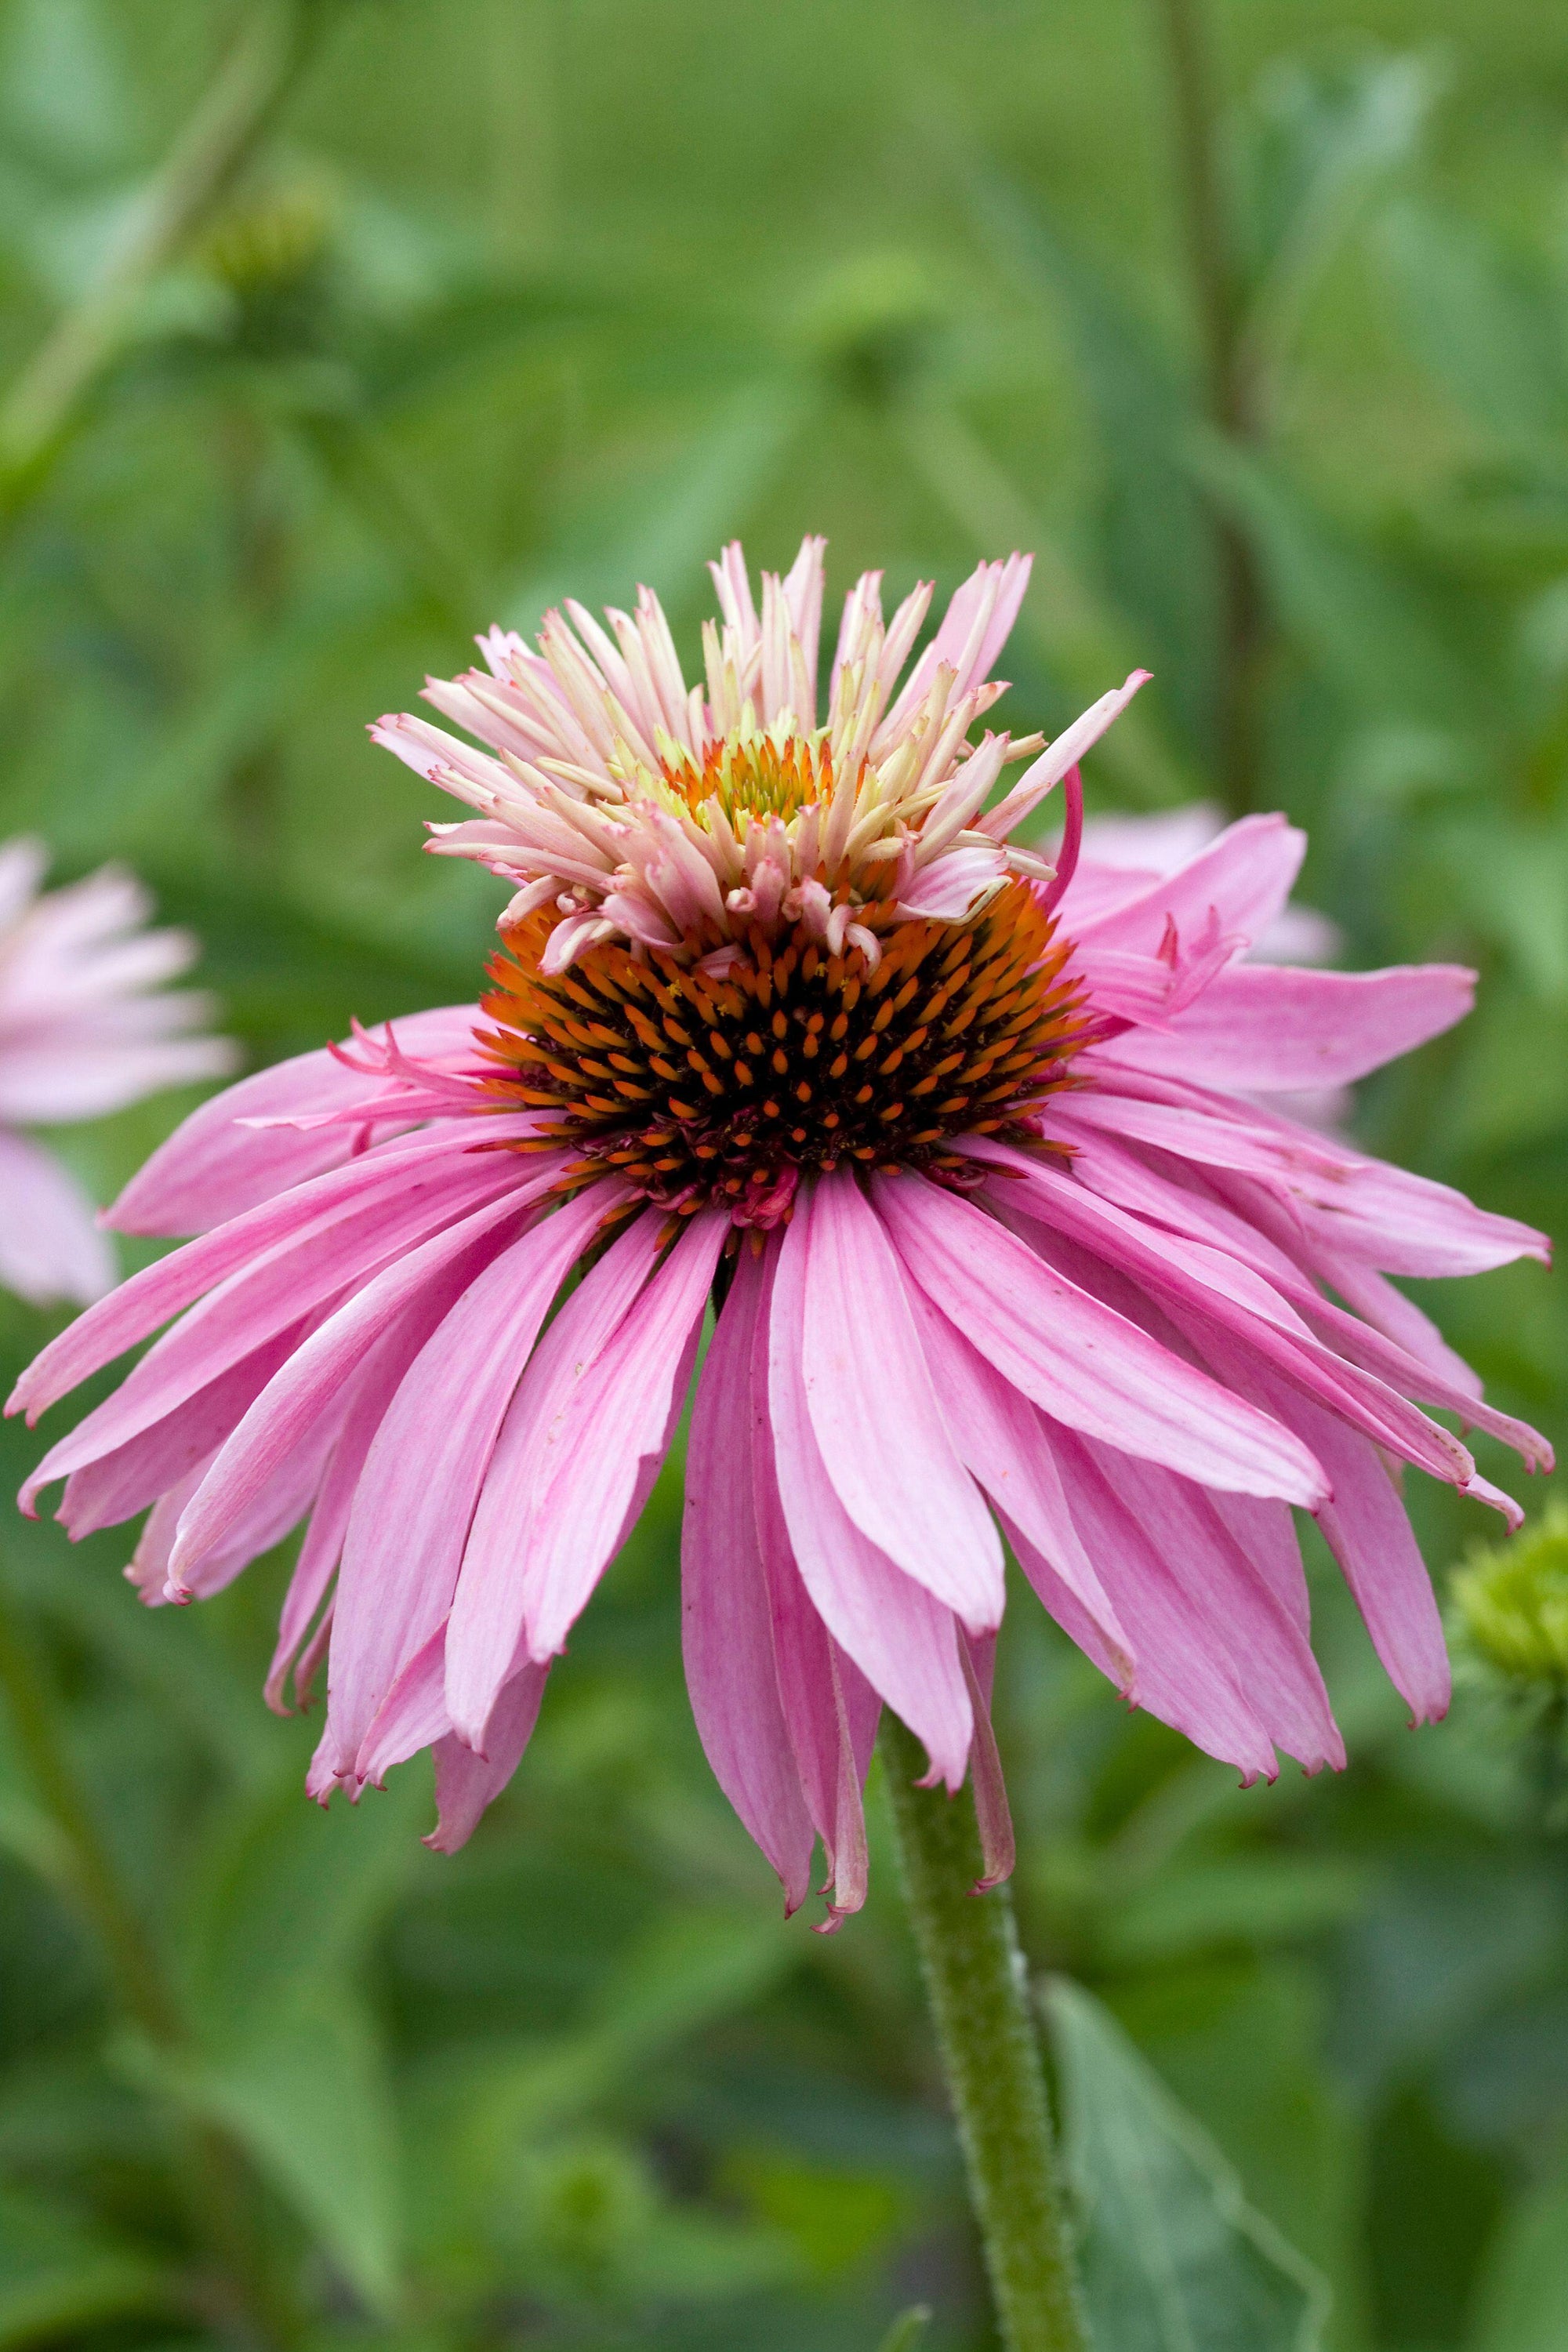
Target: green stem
x=975 y=1982
x=210 y=2170
x=236 y=112
x=132 y=1962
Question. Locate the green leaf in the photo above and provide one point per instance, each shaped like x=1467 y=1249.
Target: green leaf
x=306 y=2092
x=1374 y=632
x=1486 y=319
x=288 y=1895
x=687 y=1971
x=57 y=2276
x=1318 y=144
x=1524 y=2293
x=1172 y=2257
x=287 y=2057
x=1158 y=546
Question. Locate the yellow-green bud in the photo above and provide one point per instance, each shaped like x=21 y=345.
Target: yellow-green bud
x=1510 y=1606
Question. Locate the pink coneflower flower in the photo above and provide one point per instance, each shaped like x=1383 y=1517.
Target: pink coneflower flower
x=86 y=1027
x=969 y=1161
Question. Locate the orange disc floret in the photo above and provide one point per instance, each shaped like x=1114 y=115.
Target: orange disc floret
x=701 y=1087
x=757 y=775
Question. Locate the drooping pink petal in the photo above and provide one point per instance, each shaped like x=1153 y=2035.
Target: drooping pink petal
x=903 y=1641
x=576 y=1457
x=1273 y=1243
x=50 y=1246
x=1261 y=1635
x=1077 y=1360
x=1187 y=1673
x=1192 y=1276
x=305 y=1387
x=467 y=1783
x=1368 y=1533
x=727 y=1633
x=425 y=1176
x=1001 y=1437
x=272 y=1512
x=212 y=1168
x=113 y=1486
x=294 y=1277
x=605 y=1441
x=875 y=1413
x=415 y=1497
x=830 y=1709
x=1360 y=1207
x=1375 y=1298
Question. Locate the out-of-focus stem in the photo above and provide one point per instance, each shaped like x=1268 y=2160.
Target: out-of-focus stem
x=211 y=2169
x=236 y=111
x=1228 y=386
x=975 y=1984
x=132 y=1961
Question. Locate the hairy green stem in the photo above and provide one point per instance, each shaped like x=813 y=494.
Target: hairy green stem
x=976 y=1983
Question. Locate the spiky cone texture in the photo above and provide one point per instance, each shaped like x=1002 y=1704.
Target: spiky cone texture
x=972 y=1156
x=87 y=1027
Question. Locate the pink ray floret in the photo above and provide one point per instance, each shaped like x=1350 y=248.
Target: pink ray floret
x=975 y=1161
x=87 y=1027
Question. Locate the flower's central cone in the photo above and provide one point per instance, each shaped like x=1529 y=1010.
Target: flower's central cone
x=721 y=1086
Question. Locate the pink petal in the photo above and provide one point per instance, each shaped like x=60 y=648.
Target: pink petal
x=1193 y=1276
x=212 y=1168
x=1424 y=1369
x=416 y=1495
x=1368 y=1533
x=467 y=1783
x=727 y=1633
x=1241 y=881
x=1268 y=1029
x=903 y=1641
x=427 y=1176
x=297 y=1275
x=992 y=1814
x=606 y=1438
x=1077 y=1359
x=50 y=1246
x=1264 y=1639
x=1388 y=1311
x=576 y=1457
x=875 y=1413
x=1187 y=1675
x=114 y=1486
x=1356 y=1206
x=1001 y=1437
x=304 y=1388
x=272 y=1512
x=830 y=1709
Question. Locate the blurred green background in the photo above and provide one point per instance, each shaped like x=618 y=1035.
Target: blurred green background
x=331 y=333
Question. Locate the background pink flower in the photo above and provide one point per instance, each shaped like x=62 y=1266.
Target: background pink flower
x=86 y=1027
x=968 y=1149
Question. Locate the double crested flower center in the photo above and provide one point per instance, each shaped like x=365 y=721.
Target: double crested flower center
x=716 y=1074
